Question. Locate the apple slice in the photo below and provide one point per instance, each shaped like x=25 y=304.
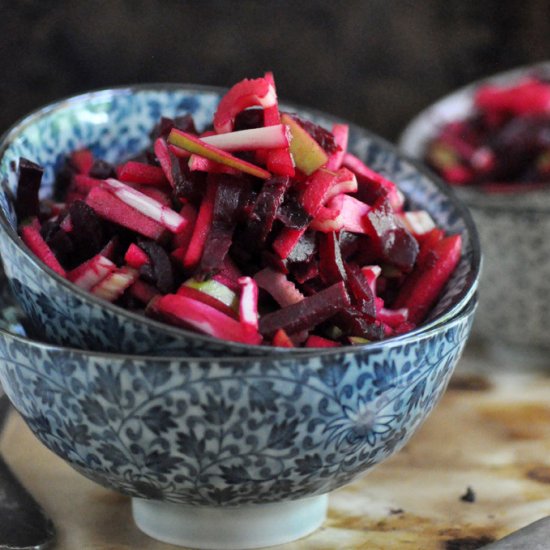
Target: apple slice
x=91 y=272
x=216 y=290
x=202 y=164
x=270 y=137
x=418 y=222
x=365 y=173
x=147 y=205
x=196 y=145
x=282 y=290
x=112 y=286
x=342 y=212
x=308 y=155
x=248 y=304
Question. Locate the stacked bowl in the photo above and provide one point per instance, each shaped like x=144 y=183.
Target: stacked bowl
x=195 y=429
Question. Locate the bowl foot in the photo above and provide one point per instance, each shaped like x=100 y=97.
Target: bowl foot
x=226 y=528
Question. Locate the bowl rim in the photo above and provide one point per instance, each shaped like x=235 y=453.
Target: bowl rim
x=124 y=90
x=420 y=129
x=225 y=360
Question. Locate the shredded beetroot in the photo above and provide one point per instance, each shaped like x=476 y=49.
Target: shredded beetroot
x=306 y=314
x=262 y=230
x=203 y=318
x=501 y=146
x=135 y=256
x=32 y=238
x=138 y=172
x=421 y=289
x=202 y=227
x=27 y=203
x=195 y=294
x=246 y=93
x=111 y=208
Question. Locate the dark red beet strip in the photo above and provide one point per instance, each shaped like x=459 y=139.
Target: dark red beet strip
x=308 y=313
x=260 y=221
x=220 y=235
x=331 y=266
x=27 y=203
x=360 y=290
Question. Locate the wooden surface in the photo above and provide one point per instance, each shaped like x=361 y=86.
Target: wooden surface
x=490 y=433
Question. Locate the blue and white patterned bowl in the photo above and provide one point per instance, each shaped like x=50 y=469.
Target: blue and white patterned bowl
x=116 y=124
x=514 y=312
x=197 y=437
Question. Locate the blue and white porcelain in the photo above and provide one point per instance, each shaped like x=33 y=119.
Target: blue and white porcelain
x=230 y=452
x=116 y=124
x=514 y=229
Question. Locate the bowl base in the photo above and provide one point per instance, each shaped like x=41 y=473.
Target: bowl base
x=227 y=528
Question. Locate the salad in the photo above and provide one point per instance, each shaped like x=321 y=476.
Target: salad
x=504 y=145
x=261 y=229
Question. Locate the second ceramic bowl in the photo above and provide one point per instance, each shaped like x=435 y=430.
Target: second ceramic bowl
x=514 y=229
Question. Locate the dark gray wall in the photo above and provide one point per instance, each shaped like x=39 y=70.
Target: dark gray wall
x=375 y=62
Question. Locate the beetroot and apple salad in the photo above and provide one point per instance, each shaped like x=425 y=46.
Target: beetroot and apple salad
x=504 y=145
x=262 y=229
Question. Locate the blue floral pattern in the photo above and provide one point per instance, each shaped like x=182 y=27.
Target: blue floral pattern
x=230 y=431
x=116 y=124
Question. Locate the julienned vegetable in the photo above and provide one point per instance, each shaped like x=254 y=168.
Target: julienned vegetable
x=504 y=145
x=262 y=229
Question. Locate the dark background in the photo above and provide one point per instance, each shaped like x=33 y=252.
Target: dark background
x=375 y=62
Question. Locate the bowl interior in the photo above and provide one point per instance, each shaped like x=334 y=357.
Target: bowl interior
x=116 y=123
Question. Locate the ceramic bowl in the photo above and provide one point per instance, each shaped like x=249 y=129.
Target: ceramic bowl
x=229 y=452
x=116 y=124
x=514 y=232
